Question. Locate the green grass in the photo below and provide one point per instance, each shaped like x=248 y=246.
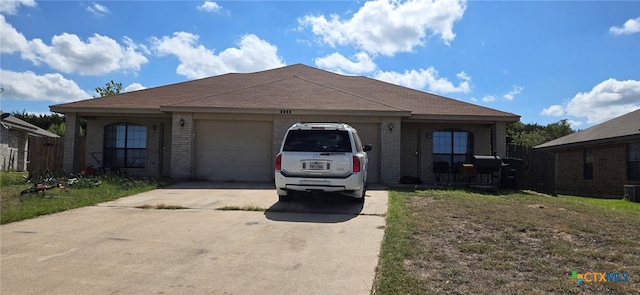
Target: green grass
x=15 y=207
x=459 y=242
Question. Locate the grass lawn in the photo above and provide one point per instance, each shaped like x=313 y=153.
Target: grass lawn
x=15 y=207
x=458 y=242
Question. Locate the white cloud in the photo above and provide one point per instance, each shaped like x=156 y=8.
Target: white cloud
x=99 y=55
x=555 y=110
x=97 y=9
x=574 y=124
x=515 y=90
x=631 y=26
x=11 y=40
x=210 y=6
x=11 y=6
x=196 y=61
x=609 y=99
x=388 y=26
x=134 y=87
x=338 y=63
x=489 y=98
x=426 y=78
x=69 y=54
x=47 y=87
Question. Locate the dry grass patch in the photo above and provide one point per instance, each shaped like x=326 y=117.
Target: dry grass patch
x=467 y=243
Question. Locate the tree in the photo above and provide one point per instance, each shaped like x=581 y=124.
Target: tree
x=534 y=134
x=110 y=88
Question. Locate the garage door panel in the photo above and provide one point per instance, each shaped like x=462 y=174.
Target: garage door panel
x=370 y=134
x=234 y=150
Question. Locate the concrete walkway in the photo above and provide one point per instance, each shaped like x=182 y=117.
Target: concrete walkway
x=309 y=246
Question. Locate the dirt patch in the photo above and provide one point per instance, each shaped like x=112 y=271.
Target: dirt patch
x=479 y=244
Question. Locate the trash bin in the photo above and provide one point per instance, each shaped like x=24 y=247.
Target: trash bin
x=511 y=173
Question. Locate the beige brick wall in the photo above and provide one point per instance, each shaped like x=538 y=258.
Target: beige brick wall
x=71 y=142
x=390 y=150
x=182 y=145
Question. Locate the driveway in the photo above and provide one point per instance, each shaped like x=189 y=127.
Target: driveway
x=309 y=246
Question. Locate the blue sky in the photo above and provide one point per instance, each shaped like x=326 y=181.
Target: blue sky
x=543 y=60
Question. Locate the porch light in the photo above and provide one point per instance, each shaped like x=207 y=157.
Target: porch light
x=181 y=122
x=390 y=126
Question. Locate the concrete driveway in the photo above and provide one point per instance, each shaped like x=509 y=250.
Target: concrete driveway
x=309 y=246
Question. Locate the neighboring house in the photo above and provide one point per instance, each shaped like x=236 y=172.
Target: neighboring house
x=14 y=142
x=599 y=161
x=229 y=127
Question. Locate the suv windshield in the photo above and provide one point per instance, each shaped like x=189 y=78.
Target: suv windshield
x=317 y=141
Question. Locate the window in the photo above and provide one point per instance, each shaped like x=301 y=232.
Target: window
x=317 y=141
x=588 y=163
x=451 y=148
x=125 y=145
x=633 y=161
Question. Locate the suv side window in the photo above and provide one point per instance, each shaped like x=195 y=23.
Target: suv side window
x=356 y=138
x=317 y=141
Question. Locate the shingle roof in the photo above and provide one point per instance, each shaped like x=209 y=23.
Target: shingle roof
x=13 y=122
x=621 y=128
x=295 y=87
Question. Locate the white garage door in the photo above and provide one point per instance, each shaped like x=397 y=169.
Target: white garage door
x=234 y=150
x=370 y=134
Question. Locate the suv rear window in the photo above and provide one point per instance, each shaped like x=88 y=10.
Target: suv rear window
x=317 y=141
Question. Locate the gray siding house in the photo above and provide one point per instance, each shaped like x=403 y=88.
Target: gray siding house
x=14 y=142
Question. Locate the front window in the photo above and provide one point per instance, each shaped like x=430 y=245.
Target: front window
x=633 y=161
x=588 y=164
x=451 y=148
x=125 y=145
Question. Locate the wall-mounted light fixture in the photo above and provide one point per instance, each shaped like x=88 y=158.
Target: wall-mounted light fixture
x=428 y=135
x=181 y=122
x=154 y=127
x=390 y=126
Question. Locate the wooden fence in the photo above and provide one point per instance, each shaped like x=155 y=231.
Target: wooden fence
x=538 y=170
x=46 y=155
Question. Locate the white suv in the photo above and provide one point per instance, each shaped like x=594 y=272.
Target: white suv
x=321 y=157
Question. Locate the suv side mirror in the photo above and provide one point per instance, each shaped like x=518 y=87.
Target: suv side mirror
x=367 y=147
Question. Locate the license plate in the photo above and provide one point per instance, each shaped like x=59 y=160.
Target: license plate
x=314 y=165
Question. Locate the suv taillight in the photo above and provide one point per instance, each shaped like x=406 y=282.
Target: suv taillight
x=356 y=164
x=279 y=162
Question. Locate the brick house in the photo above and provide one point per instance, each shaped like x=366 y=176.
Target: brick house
x=14 y=142
x=229 y=127
x=599 y=161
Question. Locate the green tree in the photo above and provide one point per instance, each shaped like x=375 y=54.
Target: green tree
x=59 y=129
x=110 y=88
x=535 y=134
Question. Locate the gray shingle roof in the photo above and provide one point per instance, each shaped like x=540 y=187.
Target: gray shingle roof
x=295 y=87
x=621 y=128
x=13 y=122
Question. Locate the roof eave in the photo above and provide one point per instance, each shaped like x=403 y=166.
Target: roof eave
x=589 y=142
x=465 y=118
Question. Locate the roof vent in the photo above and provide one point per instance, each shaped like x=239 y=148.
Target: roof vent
x=285 y=111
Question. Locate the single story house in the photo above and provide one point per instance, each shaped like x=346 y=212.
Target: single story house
x=230 y=127
x=14 y=142
x=599 y=161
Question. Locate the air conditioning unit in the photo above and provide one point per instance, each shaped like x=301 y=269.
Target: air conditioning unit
x=632 y=193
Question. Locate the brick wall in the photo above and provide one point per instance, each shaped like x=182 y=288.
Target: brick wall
x=390 y=150
x=71 y=143
x=609 y=172
x=181 y=145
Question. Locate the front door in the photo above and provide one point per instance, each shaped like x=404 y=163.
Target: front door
x=410 y=151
